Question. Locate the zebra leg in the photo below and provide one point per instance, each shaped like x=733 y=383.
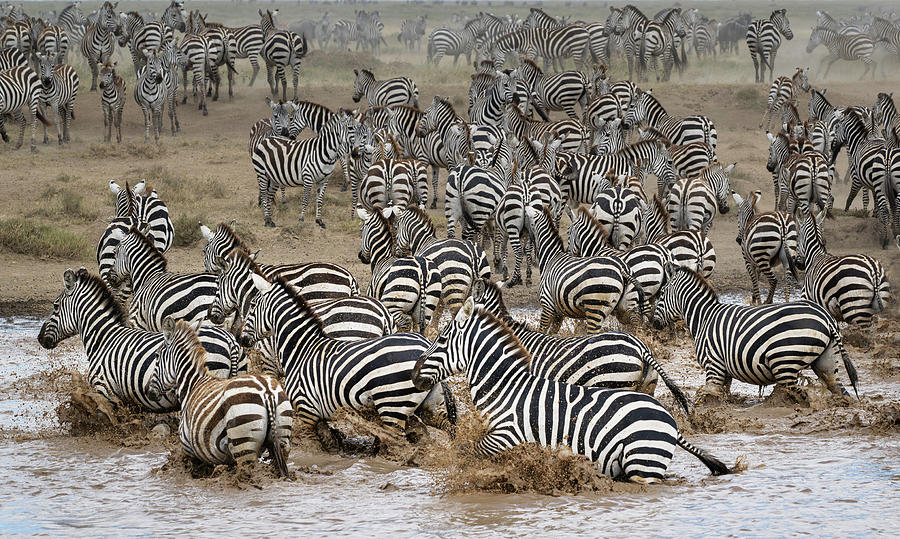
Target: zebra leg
x=825 y=367
x=434 y=187
x=320 y=200
x=296 y=69
x=282 y=76
x=203 y=84
x=107 y=125
x=95 y=72
x=756 y=77
x=119 y=124
x=59 y=124
x=307 y=191
x=786 y=380
x=43 y=108
x=70 y=112
x=515 y=241
x=830 y=63
x=773 y=282
x=19 y=116
x=271 y=78
x=254 y=63
x=753 y=270
x=146 y=124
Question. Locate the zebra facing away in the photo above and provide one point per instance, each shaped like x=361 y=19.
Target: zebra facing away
x=98 y=43
x=322 y=375
x=843 y=47
x=121 y=358
x=280 y=50
x=646 y=108
x=112 y=100
x=756 y=345
x=222 y=421
x=383 y=93
x=628 y=434
x=764 y=39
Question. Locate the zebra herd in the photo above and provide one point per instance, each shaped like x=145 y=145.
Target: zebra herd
x=162 y=341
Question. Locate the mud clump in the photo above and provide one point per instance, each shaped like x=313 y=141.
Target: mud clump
x=255 y=475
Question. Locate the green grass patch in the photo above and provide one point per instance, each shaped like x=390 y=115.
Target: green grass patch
x=63 y=203
x=29 y=237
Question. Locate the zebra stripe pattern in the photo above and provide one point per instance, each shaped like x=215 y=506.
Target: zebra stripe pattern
x=112 y=100
x=445 y=41
x=97 y=46
x=618 y=211
x=151 y=94
x=692 y=203
x=472 y=195
x=59 y=85
x=20 y=87
x=561 y=91
x=281 y=49
x=646 y=108
x=764 y=39
x=843 y=47
x=383 y=93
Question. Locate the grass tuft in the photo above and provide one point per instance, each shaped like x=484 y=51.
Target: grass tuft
x=29 y=237
x=63 y=202
x=187 y=229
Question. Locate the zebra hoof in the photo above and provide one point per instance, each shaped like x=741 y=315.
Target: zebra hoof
x=321 y=223
x=270 y=224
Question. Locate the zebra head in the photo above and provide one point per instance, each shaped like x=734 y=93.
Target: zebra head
x=106 y=17
x=746 y=210
x=260 y=320
x=447 y=354
x=46 y=63
x=675 y=295
x=780 y=19
x=661 y=164
x=281 y=116
x=637 y=110
x=180 y=359
x=65 y=320
x=362 y=83
x=377 y=238
x=153 y=70
x=721 y=185
x=778 y=150
x=810 y=234
x=432 y=116
x=107 y=77
x=233 y=284
x=613 y=20
x=816 y=38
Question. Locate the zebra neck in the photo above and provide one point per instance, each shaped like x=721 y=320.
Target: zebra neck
x=697 y=306
x=549 y=245
x=96 y=319
x=495 y=368
x=422 y=242
x=294 y=331
x=189 y=376
x=141 y=272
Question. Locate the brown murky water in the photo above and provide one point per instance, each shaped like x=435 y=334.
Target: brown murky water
x=828 y=470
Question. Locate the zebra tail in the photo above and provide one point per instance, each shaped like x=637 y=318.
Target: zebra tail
x=276 y=450
x=788 y=262
x=845 y=357
x=680 y=398
x=449 y=403
x=716 y=466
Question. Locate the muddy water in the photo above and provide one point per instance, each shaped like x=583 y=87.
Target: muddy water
x=834 y=481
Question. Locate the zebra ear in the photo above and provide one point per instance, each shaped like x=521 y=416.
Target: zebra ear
x=466 y=311
x=770 y=136
x=737 y=198
x=114 y=187
x=206 y=232
x=255 y=255
x=139 y=188
x=729 y=168
x=69 y=279
x=168 y=328
x=260 y=282
x=356 y=72
x=362 y=213
x=117 y=234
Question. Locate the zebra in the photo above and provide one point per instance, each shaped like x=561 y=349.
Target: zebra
x=446 y=41
x=18 y=35
x=764 y=39
x=646 y=108
x=10 y=58
x=767 y=240
x=885 y=114
x=121 y=358
x=59 y=86
x=602 y=110
x=282 y=122
x=315 y=116
x=222 y=50
x=627 y=24
x=852 y=288
x=72 y=20
x=571 y=133
x=652 y=156
x=20 y=87
x=222 y=421
x=509 y=226
x=98 y=44
x=784 y=90
x=472 y=195
x=560 y=91
x=843 y=47
x=689 y=248
x=692 y=203
x=411 y=32
x=657 y=41
x=141 y=36
x=392 y=185
x=580 y=288
x=619 y=212
x=248 y=42
x=279 y=161
x=53 y=41
x=151 y=94
x=581 y=176
x=756 y=345
x=112 y=100
x=322 y=375
x=197 y=55
x=688 y=160
x=280 y=49
x=808 y=182
x=628 y=434
x=704 y=36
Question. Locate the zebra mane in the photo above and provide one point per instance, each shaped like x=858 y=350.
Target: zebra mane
x=518 y=111
x=129 y=202
x=232 y=237
x=423 y=218
x=147 y=244
x=184 y=336
x=657 y=134
x=243 y=256
x=313 y=105
x=106 y=298
x=402 y=107
x=550 y=222
x=533 y=65
x=595 y=224
x=367 y=71
x=659 y=209
x=506 y=336
x=821 y=94
x=699 y=280
x=446 y=102
x=299 y=302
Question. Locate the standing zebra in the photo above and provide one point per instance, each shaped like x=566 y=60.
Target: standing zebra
x=885 y=114
x=843 y=47
x=282 y=122
x=852 y=288
x=472 y=196
x=248 y=42
x=279 y=161
x=411 y=32
x=383 y=93
x=692 y=203
x=619 y=212
x=646 y=108
x=560 y=91
x=446 y=41
x=629 y=435
x=281 y=49
x=121 y=358
x=689 y=248
x=222 y=421
x=688 y=160
x=767 y=240
x=54 y=42
x=151 y=94
x=222 y=50
x=97 y=46
x=322 y=375
x=784 y=90
x=756 y=345
x=112 y=100
x=763 y=40
x=59 y=85
x=20 y=87
x=197 y=55
x=509 y=226
x=72 y=20
x=392 y=185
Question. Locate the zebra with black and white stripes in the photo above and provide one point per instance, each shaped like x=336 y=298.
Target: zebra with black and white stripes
x=151 y=93
x=688 y=160
x=446 y=41
x=807 y=178
x=628 y=434
x=279 y=161
x=843 y=47
x=411 y=32
x=756 y=345
x=59 y=86
x=281 y=49
x=570 y=132
x=10 y=58
x=248 y=42
x=885 y=114
x=692 y=203
x=222 y=421
x=509 y=227
x=197 y=54
x=852 y=288
x=121 y=358
x=112 y=100
x=646 y=108
x=383 y=93
x=392 y=185
x=282 y=122
x=784 y=90
x=20 y=87
x=222 y=50
x=472 y=195
x=54 y=42
x=581 y=176
x=98 y=45
x=71 y=18
x=764 y=39
x=322 y=375
x=767 y=240
x=560 y=91
x=619 y=212
x=689 y=248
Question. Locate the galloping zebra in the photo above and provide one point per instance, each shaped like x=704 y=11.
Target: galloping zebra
x=411 y=32
x=767 y=240
x=59 y=86
x=646 y=108
x=560 y=91
x=628 y=434
x=280 y=49
x=784 y=90
x=764 y=39
x=112 y=100
x=20 y=87
x=322 y=375
x=852 y=288
x=445 y=41
x=151 y=94
x=222 y=421
x=279 y=161
x=692 y=203
x=756 y=345
x=97 y=46
x=842 y=47
x=121 y=358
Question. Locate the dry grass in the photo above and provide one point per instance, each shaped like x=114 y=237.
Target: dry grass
x=28 y=237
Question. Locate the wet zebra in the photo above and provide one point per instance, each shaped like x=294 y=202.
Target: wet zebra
x=280 y=50
x=446 y=41
x=646 y=108
x=756 y=345
x=279 y=161
x=322 y=375
x=20 y=87
x=59 y=86
x=98 y=45
x=221 y=421
x=121 y=358
x=112 y=100
x=852 y=288
x=767 y=240
x=628 y=434
x=784 y=90
x=764 y=39
x=692 y=203
x=843 y=47
x=560 y=91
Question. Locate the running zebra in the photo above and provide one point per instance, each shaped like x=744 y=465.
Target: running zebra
x=20 y=87
x=646 y=108
x=628 y=434
x=692 y=203
x=59 y=86
x=764 y=39
x=784 y=90
x=98 y=45
x=112 y=100
x=561 y=91
x=121 y=358
x=151 y=94
x=767 y=240
x=222 y=421
x=755 y=345
x=279 y=161
x=843 y=47
x=411 y=33
x=852 y=288
x=322 y=375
